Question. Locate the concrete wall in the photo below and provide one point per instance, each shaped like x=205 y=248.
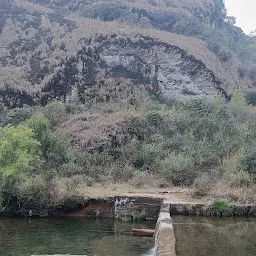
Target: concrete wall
x=124 y=208
x=165 y=241
x=196 y=209
x=137 y=208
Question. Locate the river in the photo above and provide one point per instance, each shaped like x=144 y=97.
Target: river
x=195 y=236
x=198 y=236
x=25 y=237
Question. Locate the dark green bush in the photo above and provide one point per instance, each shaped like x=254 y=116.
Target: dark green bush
x=251 y=98
x=221 y=207
x=107 y=11
x=18 y=115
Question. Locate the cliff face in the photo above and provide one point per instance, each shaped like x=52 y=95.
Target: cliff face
x=48 y=51
x=117 y=67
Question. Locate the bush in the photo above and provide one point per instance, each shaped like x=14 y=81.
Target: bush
x=18 y=156
x=18 y=115
x=178 y=169
x=188 y=27
x=202 y=185
x=224 y=54
x=136 y=127
x=107 y=11
x=241 y=179
x=54 y=147
x=34 y=192
x=99 y=159
x=142 y=156
x=221 y=207
x=55 y=112
x=122 y=174
x=247 y=162
x=251 y=98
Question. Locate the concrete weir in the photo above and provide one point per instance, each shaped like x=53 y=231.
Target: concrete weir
x=165 y=241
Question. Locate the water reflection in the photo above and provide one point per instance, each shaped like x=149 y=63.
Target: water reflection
x=215 y=237
x=21 y=237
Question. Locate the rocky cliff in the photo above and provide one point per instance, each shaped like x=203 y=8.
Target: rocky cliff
x=49 y=51
x=115 y=67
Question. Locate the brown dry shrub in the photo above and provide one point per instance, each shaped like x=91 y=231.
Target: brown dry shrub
x=245 y=195
x=98 y=130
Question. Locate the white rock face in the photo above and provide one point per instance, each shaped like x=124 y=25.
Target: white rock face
x=143 y=61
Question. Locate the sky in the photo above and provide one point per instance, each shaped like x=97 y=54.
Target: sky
x=245 y=13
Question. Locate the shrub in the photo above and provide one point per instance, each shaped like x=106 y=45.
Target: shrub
x=241 y=179
x=247 y=162
x=221 y=207
x=202 y=185
x=178 y=169
x=251 y=98
x=224 y=54
x=143 y=180
x=55 y=112
x=142 y=156
x=53 y=146
x=107 y=11
x=99 y=159
x=188 y=27
x=18 y=115
x=136 y=127
x=18 y=156
x=122 y=173
x=34 y=192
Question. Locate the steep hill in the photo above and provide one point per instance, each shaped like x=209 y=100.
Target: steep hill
x=101 y=95
x=43 y=45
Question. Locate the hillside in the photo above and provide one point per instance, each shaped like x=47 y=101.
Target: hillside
x=127 y=94
x=41 y=40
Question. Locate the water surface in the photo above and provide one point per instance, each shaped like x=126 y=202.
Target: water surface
x=197 y=236
x=25 y=237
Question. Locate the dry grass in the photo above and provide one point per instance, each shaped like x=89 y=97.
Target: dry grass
x=77 y=186
x=243 y=195
x=16 y=76
x=216 y=187
x=98 y=128
x=32 y=7
x=226 y=72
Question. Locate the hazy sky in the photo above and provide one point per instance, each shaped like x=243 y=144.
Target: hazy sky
x=245 y=13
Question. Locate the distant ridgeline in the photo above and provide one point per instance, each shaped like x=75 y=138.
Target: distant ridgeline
x=95 y=51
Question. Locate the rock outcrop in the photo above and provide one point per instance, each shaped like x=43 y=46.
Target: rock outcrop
x=115 y=67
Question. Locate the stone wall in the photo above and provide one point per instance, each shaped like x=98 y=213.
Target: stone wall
x=124 y=208
x=137 y=208
x=196 y=209
x=101 y=208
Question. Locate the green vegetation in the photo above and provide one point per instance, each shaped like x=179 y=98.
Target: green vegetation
x=108 y=131
x=107 y=11
x=18 y=156
x=198 y=144
x=221 y=207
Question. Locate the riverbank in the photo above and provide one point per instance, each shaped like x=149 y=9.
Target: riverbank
x=135 y=205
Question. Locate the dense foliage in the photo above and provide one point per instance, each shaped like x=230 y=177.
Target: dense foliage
x=191 y=144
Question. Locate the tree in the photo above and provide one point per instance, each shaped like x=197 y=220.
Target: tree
x=107 y=11
x=219 y=14
x=253 y=33
x=231 y=20
x=53 y=148
x=18 y=155
x=42 y=132
x=238 y=103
